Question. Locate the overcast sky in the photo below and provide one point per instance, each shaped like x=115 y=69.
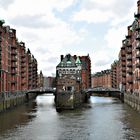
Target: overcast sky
x=50 y=28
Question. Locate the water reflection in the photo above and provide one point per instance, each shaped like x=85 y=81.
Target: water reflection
x=107 y=119
x=17 y=117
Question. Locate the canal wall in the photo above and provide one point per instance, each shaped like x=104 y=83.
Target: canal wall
x=133 y=100
x=9 y=101
x=69 y=100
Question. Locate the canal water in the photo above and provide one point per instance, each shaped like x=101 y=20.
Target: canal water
x=103 y=118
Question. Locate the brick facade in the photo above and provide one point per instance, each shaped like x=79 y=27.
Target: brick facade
x=129 y=57
x=102 y=79
x=80 y=67
x=115 y=74
x=15 y=69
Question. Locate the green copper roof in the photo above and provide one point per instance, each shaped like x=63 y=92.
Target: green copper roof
x=78 y=60
x=68 y=62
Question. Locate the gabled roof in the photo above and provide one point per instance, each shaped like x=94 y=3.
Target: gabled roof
x=78 y=61
x=68 y=61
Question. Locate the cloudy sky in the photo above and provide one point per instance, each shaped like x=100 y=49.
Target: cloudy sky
x=54 y=27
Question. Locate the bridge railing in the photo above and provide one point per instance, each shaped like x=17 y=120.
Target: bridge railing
x=101 y=89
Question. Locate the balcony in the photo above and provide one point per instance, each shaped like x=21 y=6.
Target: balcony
x=138 y=78
x=13 y=66
x=13 y=59
x=129 y=57
x=138 y=46
x=23 y=56
x=129 y=44
x=123 y=74
x=130 y=81
x=123 y=69
x=138 y=55
x=13 y=53
x=130 y=72
x=0 y=38
x=123 y=53
x=13 y=46
x=23 y=70
x=13 y=72
x=129 y=65
x=13 y=82
x=129 y=51
x=123 y=64
x=30 y=62
x=23 y=76
x=123 y=82
x=137 y=65
x=138 y=37
x=123 y=59
x=23 y=65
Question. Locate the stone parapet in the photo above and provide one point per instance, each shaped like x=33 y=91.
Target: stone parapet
x=132 y=99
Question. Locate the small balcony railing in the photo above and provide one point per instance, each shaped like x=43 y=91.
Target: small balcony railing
x=123 y=53
x=13 y=59
x=13 y=46
x=13 y=66
x=129 y=44
x=129 y=65
x=138 y=55
x=138 y=46
x=13 y=53
x=0 y=38
x=129 y=57
x=129 y=71
x=123 y=59
x=13 y=71
x=137 y=65
x=138 y=37
x=130 y=81
x=123 y=74
x=129 y=51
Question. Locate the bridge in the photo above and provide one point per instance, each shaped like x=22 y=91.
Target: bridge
x=102 y=91
x=42 y=91
x=98 y=91
x=90 y=91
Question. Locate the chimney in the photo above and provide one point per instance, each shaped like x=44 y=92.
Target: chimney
x=62 y=57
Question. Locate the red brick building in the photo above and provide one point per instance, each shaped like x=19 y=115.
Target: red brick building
x=102 y=79
x=18 y=68
x=40 y=80
x=115 y=74
x=80 y=66
x=129 y=57
x=86 y=71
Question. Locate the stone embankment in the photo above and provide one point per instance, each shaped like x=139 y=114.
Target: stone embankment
x=11 y=100
x=132 y=99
